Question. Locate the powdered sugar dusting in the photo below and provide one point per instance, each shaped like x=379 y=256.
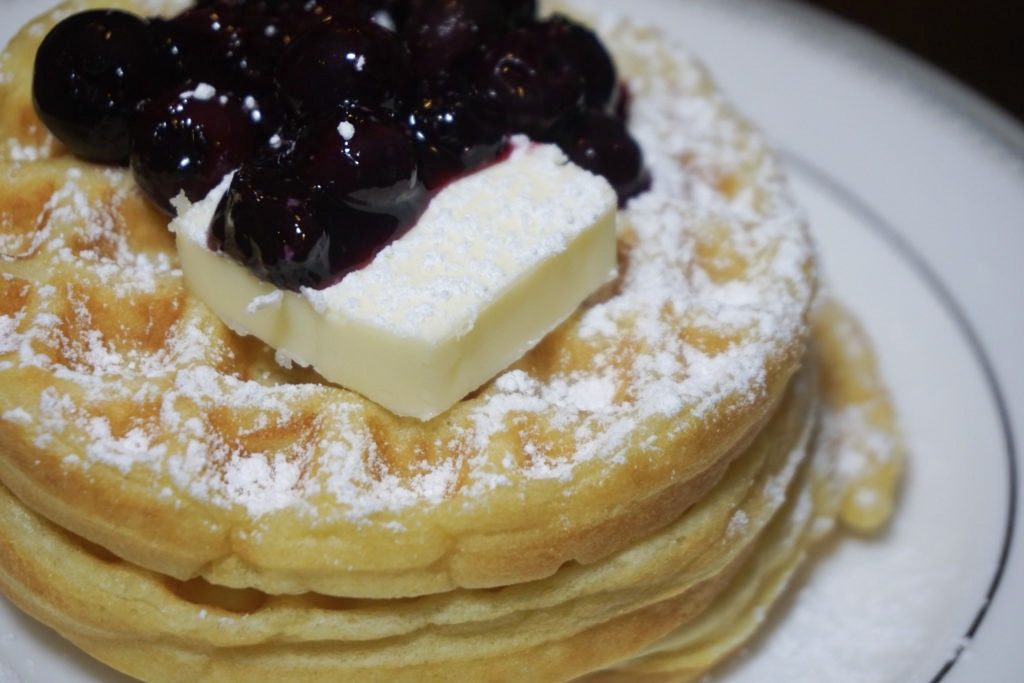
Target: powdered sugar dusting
x=858 y=441
x=738 y=524
x=346 y=130
x=10 y=340
x=715 y=284
x=202 y=91
x=265 y=301
x=17 y=415
x=18 y=151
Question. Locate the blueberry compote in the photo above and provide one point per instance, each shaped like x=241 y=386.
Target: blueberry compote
x=340 y=118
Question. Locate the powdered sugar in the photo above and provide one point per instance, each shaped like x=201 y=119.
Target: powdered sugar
x=17 y=416
x=715 y=285
x=346 y=130
x=122 y=452
x=10 y=340
x=19 y=152
x=738 y=524
x=265 y=301
x=202 y=91
x=859 y=443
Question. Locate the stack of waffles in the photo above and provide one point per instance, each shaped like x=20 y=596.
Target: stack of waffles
x=624 y=503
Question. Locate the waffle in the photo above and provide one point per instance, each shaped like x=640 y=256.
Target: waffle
x=219 y=515
x=667 y=608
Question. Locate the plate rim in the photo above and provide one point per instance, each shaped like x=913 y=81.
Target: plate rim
x=930 y=85
x=997 y=131
x=883 y=228
x=999 y=134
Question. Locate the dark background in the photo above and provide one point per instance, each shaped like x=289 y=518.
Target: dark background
x=981 y=42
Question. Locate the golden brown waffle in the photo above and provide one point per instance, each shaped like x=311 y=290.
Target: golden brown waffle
x=858 y=459
x=666 y=608
x=145 y=425
x=223 y=517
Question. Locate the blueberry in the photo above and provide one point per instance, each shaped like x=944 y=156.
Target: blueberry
x=299 y=16
x=586 y=51
x=268 y=222
x=625 y=102
x=344 y=62
x=442 y=32
x=451 y=134
x=167 y=37
x=530 y=83
x=519 y=11
x=600 y=143
x=294 y=235
x=364 y=159
x=188 y=140
x=90 y=72
x=220 y=44
x=357 y=235
x=314 y=103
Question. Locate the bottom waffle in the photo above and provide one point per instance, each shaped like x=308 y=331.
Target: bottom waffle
x=667 y=608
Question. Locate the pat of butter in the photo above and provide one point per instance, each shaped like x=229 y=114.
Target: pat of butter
x=498 y=260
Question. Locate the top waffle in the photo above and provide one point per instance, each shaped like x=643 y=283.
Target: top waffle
x=130 y=415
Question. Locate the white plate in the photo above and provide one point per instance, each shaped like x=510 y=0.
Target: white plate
x=915 y=189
